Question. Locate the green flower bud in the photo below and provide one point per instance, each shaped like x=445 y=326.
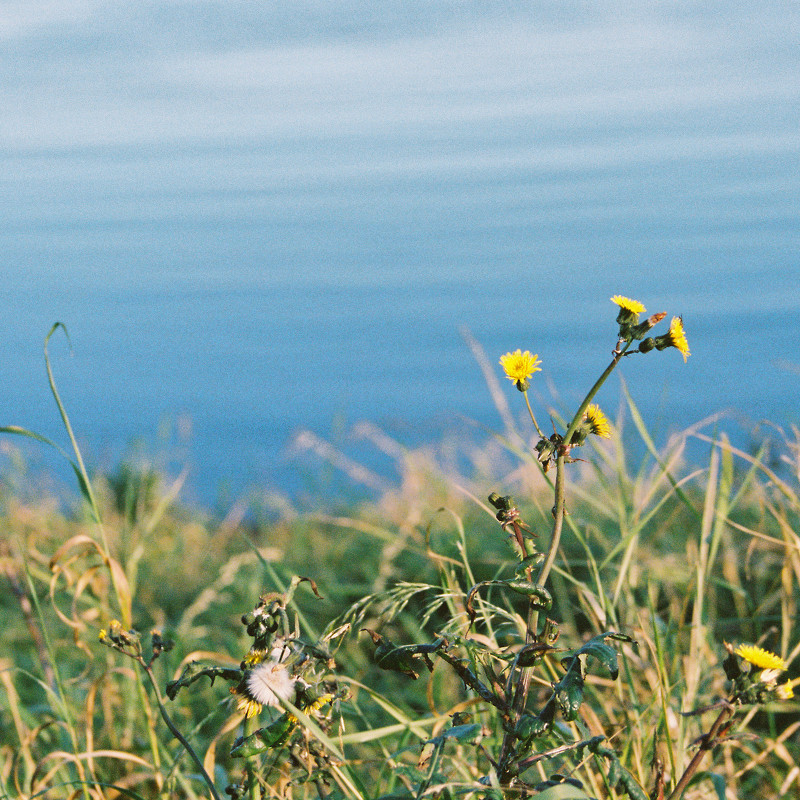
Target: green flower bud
x=647 y=345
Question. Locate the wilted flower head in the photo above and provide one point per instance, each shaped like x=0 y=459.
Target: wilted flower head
x=786 y=690
x=676 y=337
x=519 y=367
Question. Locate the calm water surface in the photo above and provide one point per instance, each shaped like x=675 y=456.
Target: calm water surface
x=255 y=220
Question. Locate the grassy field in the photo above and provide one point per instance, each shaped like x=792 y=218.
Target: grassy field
x=680 y=557
x=506 y=619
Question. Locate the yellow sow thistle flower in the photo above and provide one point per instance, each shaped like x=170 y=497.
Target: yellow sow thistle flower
x=626 y=304
x=597 y=422
x=786 y=690
x=519 y=367
x=628 y=316
x=760 y=658
x=678 y=337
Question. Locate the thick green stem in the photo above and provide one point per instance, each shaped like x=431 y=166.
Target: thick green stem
x=593 y=391
x=559 y=505
x=558 y=523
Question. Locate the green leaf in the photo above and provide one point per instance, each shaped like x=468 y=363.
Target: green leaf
x=458 y=732
x=529 y=727
x=601 y=651
x=263 y=739
x=568 y=693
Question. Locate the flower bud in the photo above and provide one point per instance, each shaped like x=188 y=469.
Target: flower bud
x=647 y=345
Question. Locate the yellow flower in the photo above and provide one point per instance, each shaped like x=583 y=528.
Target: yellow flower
x=598 y=423
x=255 y=657
x=248 y=706
x=625 y=303
x=678 y=337
x=760 y=658
x=519 y=367
x=786 y=690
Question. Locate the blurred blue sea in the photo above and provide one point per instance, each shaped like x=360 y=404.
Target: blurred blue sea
x=258 y=218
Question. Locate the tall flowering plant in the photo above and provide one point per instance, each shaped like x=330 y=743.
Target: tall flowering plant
x=530 y=692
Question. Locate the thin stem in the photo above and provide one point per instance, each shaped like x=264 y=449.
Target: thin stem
x=533 y=418
x=176 y=733
x=594 y=390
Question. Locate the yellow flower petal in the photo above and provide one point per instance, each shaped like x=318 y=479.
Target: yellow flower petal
x=678 y=337
x=786 y=690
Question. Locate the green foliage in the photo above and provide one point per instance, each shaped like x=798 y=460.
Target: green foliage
x=471 y=677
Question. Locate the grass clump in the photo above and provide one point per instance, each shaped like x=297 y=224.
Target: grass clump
x=625 y=627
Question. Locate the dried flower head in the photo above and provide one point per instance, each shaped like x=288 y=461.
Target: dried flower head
x=519 y=367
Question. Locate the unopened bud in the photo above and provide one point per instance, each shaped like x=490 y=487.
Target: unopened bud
x=647 y=345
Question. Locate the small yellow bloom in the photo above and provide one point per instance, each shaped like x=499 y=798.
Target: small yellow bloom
x=255 y=657
x=597 y=421
x=634 y=306
x=678 y=337
x=519 y=366
x=248 y=706
x=786 y=690
x=760 y=658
